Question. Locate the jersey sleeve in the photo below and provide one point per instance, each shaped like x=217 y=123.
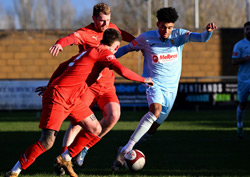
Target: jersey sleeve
x=109 y=60
x=76 y=38
x=236 y=51
x=138 y=43
x=126 y=36
x=187 y=36
x=200 y=37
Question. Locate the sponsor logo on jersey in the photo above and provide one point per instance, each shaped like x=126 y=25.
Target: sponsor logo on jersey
x=110 y=57
x=166 y=57
x=95 y=37
x=135 y=43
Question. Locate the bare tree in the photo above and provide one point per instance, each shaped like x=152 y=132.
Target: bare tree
x=24 y=13
x=129 y=15
x=44 y=14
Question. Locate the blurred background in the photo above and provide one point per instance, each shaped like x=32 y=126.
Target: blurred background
x=127 y=14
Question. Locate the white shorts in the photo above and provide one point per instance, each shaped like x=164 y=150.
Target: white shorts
x=243 y=91
x=157 y=95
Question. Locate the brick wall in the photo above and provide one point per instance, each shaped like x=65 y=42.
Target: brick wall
x=24 y=55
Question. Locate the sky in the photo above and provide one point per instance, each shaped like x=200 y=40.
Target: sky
x=80 y=5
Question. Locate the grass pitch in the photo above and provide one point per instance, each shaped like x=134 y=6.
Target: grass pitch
x=189 y=143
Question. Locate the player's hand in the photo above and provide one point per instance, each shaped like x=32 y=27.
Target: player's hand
x=55 y=49
x=40 y=90
x=149 y=81
x=210 y=27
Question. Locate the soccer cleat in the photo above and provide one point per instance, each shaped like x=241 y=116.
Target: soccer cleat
x=80 y=157
x=59 y=170
x=11 y=174
x=66 y=165
x=240 y=132
x=119 y=160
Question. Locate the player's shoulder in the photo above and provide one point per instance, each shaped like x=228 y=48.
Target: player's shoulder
x=149 y=34
x=105 y=53
x=180 y=31
x=112 y=25
x=241 y=43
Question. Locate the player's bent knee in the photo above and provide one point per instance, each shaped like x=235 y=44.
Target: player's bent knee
x=97 y=130
x=48 y=138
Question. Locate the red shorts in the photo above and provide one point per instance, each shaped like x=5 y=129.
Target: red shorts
x=55 y=110
x=100 y=95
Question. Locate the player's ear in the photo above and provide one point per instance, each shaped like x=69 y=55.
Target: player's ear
x=94 y=18
x=157 y=24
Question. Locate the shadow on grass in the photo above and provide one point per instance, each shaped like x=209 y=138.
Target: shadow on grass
x=168 y=153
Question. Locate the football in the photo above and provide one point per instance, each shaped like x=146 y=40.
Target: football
x=134 y=160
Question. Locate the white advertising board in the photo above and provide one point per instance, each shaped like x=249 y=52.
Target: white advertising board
x=20 y=94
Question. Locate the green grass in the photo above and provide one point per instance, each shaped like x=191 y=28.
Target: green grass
x=189 y=143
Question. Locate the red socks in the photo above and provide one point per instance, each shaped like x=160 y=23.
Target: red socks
x=81 y=140
x=64 y=148
x=31 y=154
x=93 y=141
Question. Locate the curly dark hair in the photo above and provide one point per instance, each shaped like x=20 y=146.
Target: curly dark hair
x=110 y=36
x=168 y=14
x=246 y=24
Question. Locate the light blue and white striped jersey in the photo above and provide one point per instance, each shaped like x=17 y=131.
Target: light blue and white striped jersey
x=163 y=59
x=241 y=50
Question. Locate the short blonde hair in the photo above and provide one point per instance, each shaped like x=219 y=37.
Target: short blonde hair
x=101 y=7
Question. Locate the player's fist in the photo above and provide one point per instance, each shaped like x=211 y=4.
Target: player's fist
x=149 y=81
x=210 y=27
x=55 y=49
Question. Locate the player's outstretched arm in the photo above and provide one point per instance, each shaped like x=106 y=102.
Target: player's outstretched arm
x=204 y=36
x=130 y=75
x=126 y=36
x=122 y=51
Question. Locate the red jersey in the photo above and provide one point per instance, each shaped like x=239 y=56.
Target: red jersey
x=83 y=70
x=88 y=37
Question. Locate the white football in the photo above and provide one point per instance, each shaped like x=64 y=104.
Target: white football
x=134 y=160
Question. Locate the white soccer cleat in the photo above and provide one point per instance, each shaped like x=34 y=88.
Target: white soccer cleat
x=79 y=159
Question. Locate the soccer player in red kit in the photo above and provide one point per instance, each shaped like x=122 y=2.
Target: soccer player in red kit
x=63 y=96
x=103 y=92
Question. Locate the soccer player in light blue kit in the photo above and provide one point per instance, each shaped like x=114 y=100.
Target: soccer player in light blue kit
x=162 y=51
x=241 y=57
